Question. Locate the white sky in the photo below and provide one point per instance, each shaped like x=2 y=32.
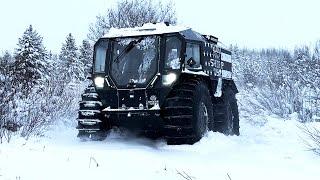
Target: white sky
x=250 y=23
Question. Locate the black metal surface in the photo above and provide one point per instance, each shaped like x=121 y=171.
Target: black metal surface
x=132 y=98
x=192 y=35
x=136 y=121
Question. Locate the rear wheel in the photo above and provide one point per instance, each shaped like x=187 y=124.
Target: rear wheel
x=90 y=124
x=234 y=113
x=226 y=115
x=188 y=113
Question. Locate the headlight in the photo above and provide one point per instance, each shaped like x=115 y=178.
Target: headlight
x=99 y=82
x=169 y=79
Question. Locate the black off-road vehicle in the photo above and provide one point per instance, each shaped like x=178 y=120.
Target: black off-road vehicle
x=161 y=81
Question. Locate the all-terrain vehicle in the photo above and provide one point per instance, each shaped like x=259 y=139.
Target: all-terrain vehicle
x=161 y=81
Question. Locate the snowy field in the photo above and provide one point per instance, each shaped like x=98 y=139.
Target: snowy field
x=269 y=148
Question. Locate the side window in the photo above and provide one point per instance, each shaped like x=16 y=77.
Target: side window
x=173 y=49
x=193 y=50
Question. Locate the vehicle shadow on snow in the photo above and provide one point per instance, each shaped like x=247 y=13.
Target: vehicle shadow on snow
x=123 y=137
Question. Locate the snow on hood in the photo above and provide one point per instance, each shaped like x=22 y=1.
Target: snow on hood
x=146 y=29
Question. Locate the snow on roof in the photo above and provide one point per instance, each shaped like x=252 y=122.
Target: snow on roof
x=146 y=29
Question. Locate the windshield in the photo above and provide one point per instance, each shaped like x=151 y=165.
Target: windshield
x=100 y=56
x=134 y=60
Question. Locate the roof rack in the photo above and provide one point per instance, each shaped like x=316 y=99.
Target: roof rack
x=211 y=38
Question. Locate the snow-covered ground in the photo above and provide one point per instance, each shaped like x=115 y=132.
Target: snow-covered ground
x=269 y=148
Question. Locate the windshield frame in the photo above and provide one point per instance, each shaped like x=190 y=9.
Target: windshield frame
x=112 y=55
x=106 y=58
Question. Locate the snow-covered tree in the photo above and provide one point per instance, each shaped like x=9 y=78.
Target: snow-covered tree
x=30 y=59
x=316 y=53
x=7 y=91
x=70 y=60
x=131 y=13
x=280 y=81
x=6 y=59
x=86 y=55
x=6 y=65
x=316 y=64
x=69 y=54
x=302 y=60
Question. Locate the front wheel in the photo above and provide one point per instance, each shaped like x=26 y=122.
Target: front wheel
x=91 y=125
x=203 y=115
x=188 y=113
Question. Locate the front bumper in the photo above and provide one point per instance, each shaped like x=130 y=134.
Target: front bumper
x=132 y=111
x=134 y=119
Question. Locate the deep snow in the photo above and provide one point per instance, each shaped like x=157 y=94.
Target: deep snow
x=268 y=148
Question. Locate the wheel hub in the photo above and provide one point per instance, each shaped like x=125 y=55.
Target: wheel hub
x=203 y=117
x=230 y=122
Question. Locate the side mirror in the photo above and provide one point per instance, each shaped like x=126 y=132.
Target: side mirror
x=191 y=62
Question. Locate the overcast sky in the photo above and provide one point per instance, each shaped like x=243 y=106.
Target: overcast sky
x=250 y=23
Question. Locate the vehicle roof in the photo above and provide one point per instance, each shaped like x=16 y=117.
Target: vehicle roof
x=154 y=29
x=189 y=34
x=146 y=29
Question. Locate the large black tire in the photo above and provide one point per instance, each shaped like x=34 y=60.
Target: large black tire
x=90 y=111
x=188 y=113
x=233 y=106
x=226 y=115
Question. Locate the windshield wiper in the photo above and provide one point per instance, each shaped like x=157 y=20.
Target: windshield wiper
x=128 y=48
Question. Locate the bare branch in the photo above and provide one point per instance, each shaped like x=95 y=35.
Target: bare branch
x=92 y=159
x=131 y=14
x=313 y=143
x=184 y=175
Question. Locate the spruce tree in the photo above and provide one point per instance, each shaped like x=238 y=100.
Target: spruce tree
x=6 y=65
x=316 y=63
x=302 y=66
x=6 y=91
x=86 y=54
x=30 y=59
x=69 y=59
x=6 y=59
